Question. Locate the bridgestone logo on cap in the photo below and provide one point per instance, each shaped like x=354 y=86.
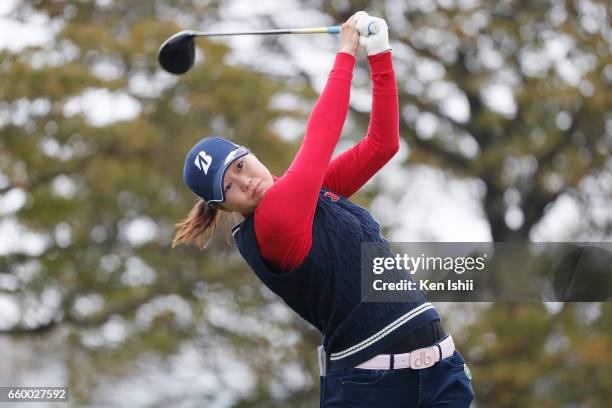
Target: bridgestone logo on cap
x=203 y=161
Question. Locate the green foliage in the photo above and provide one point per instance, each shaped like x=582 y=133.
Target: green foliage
x=84 y=185
x=522 y=356
x=121 y=172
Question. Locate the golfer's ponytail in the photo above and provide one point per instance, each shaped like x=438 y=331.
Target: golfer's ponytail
x=199 y=226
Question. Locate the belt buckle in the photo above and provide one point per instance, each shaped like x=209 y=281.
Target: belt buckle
x=422 y=358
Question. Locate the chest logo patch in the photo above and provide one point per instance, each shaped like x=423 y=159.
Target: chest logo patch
x=331 y=196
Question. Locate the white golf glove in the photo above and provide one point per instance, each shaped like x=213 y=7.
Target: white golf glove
x=376 y=42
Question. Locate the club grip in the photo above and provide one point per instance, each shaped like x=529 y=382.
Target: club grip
x=373 y=28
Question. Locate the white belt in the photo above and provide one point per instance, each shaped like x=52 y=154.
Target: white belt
x=416 y=359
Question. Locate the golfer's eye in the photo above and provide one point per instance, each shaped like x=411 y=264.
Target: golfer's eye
x=227 y=187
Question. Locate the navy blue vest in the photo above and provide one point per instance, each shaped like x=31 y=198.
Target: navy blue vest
x=325 y=288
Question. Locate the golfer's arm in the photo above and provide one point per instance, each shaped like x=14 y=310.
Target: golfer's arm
x=306 y=172
x=348 y=172
x=283 y=220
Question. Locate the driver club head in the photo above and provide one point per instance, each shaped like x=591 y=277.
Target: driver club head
x=177 y=54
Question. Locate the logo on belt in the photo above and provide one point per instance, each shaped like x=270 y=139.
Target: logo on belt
x=422 y=358
x=332 y=196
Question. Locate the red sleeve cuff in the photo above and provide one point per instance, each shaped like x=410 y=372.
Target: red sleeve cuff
x=344 y=62
x=382 y=62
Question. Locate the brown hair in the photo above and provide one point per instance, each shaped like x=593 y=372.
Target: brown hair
x=199 y=226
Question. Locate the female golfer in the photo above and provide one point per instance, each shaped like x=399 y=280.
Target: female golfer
x=302 y=237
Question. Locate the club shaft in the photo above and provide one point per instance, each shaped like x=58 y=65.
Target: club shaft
x=315 y=30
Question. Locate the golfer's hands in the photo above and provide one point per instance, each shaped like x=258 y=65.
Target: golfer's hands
x=349 y=37
x=374 y=43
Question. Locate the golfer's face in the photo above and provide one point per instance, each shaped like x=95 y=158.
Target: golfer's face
x=245 y=184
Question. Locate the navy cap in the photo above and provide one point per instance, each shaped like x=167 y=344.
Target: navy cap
x=206 y=164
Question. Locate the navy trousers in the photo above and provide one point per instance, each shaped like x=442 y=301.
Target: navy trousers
x=446 y=384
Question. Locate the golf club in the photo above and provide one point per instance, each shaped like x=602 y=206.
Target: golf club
x=177 y=54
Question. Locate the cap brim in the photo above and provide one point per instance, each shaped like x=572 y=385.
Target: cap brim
x=218 y=193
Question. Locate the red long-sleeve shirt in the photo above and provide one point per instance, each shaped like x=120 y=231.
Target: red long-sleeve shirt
x=283 y=218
